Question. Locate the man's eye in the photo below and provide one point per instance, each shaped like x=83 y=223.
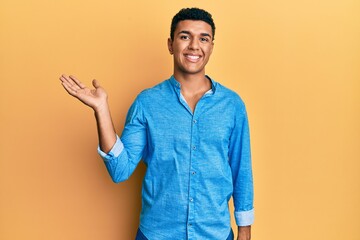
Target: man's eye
x=204 y=39
x=184 y=37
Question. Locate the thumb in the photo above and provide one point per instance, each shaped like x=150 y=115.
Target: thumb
x=95 y=83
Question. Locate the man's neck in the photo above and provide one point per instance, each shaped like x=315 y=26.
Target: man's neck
x=192 y=84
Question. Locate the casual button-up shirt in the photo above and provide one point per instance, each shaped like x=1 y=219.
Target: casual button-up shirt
x=195 y=161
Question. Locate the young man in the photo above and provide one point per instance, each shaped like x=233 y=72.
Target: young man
x=193 y=135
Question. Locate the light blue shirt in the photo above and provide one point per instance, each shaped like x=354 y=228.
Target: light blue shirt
x=195 y=161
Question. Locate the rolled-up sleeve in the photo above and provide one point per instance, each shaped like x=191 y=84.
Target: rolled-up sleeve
x=114 y=152
x=241 y=167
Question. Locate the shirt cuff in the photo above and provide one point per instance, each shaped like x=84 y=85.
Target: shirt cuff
x=114 y=152
x=244 y=218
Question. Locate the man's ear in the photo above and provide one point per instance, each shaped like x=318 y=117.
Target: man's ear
x=169 y=42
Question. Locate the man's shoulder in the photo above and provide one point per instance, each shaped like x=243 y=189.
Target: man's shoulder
x=228 y=93
x=155 y=91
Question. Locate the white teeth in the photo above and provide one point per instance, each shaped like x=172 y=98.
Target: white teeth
x=193 y=57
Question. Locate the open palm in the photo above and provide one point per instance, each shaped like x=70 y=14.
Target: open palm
x=94 y=98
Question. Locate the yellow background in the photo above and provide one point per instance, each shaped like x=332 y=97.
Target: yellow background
x=296 y=64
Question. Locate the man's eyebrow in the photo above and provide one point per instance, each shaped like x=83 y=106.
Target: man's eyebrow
x=206 y=35
x=202 y=34
x=184 y=31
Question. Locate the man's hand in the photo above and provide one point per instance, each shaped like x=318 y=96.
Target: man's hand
x=97 y=100
x=94 y=98
x=244 y=233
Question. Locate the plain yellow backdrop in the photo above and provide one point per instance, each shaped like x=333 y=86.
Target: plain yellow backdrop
x=295 y=63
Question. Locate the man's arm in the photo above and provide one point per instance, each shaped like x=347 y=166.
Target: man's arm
x=97 y=100
x=240 y=163
x=244 y=233
x=120 y=156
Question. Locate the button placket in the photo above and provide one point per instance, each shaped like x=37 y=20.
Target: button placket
x=192 y=173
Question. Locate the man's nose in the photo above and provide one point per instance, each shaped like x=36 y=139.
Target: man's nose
x=194 y=44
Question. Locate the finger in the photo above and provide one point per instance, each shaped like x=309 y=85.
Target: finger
x=95 y=83
x=69 y=89
x=69 y=83
x=77 y=81
x=67 y=80
x=73 y=83
x=63 y=78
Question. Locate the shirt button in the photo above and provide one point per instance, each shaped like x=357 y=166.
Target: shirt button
x=194 y=121
x=193 y=147
x=191 y=200
x=193 y=173
x=190 y=224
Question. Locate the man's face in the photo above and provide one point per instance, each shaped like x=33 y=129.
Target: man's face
x=192 y=46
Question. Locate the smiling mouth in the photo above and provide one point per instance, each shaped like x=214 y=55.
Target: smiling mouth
x=192 y=58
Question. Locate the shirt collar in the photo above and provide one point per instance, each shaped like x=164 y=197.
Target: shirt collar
x=176 y=84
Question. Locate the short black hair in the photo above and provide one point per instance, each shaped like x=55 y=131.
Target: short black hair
x=192 y=14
